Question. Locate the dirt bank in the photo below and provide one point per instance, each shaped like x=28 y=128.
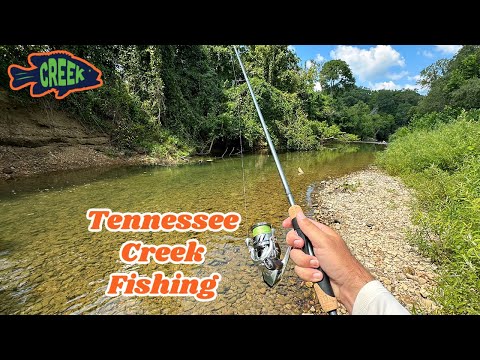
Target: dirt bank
x=371 y=210
x=34 y=138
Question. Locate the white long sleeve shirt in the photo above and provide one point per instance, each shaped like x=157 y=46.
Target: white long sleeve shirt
x=374 y=299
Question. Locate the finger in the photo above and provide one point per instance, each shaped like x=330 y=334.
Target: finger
x=308 y=274
x=313 y=232
x=287 y=223
x=304 y=260
x=293 y=239
x=325 y=233
x=326 y=229
x=296 y=211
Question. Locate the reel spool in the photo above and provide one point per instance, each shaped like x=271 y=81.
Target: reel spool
x=265 y=252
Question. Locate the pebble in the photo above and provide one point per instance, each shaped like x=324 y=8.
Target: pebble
x=375 y=220
x=424 y=292
x=422 y=281
x=383 y=248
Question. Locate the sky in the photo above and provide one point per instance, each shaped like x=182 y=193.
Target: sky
x=390 y=67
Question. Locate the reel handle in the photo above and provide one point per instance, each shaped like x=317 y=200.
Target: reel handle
x=323 y=288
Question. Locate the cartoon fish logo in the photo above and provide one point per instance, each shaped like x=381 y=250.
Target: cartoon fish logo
x=57 y=71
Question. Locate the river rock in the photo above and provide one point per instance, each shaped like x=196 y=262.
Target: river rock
x=422 y=281
x=8 y=170
x=376 y=218
x=424 y=292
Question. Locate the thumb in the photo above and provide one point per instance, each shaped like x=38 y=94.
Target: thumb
x=316 y=235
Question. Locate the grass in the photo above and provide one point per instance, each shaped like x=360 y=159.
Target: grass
x=346 y=186
x=442 y=164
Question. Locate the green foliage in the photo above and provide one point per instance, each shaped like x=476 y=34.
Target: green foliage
x=352 y=187
x=442 y=163
x=18 y=54
x=275 y=64
x=401 y=132
x=355 y=95
x=433 y=119
x=196 y=94
x=169 y=147
x=286 y=119
x=433 y=72
x=397 y=103
x=361 y=120
x=467 y=96
x=452 y=82
x=336 y=77
x=374 y=114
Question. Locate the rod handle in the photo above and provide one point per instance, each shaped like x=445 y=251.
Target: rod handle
x=323 y=289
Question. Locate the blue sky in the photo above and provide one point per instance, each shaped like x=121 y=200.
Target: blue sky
x=380 y=66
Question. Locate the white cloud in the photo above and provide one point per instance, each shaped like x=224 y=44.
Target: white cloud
x=369 y=64
x=319 y=58
x=292 y=48
x=390 y=85
x=308 y=64
x=422 y=90
x=448 y=49
x=427 y=54
x=411 y=87
x=317 y=87
x=414 y=78
x=386 y=85
x=397 y=76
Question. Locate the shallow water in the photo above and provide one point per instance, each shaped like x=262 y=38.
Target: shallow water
x=51 y=264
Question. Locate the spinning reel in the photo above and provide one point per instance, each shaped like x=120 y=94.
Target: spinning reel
x=265 y=253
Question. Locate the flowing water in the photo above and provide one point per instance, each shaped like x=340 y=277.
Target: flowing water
x=51 y=264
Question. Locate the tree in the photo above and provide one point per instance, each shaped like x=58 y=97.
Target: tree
x=172 y=99
x=356 y=94
x=396 y=103
x=468 y=95
x=275 y=64
x=433 y=72
x=336 y=77
x=452 y=82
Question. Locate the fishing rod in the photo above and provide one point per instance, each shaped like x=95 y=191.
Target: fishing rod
x=263 y=247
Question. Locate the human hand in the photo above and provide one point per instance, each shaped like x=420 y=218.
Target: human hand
x=347 y=275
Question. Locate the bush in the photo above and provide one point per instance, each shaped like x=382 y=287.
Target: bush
x=433 y=119
x=288 y=123
x=171 y=149
x=443 y=166
x=444 y=148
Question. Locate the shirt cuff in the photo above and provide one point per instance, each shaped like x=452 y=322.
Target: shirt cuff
x=374 y=299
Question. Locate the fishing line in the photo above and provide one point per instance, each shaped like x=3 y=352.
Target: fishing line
x=263 y=235
x=244 y=183
x=241 y=146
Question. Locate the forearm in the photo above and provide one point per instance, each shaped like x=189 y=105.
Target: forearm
x=354 y=279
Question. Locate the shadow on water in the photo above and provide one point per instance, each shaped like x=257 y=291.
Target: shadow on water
x=50 y=263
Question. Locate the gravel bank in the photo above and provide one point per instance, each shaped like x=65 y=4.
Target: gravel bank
x=371 y=210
